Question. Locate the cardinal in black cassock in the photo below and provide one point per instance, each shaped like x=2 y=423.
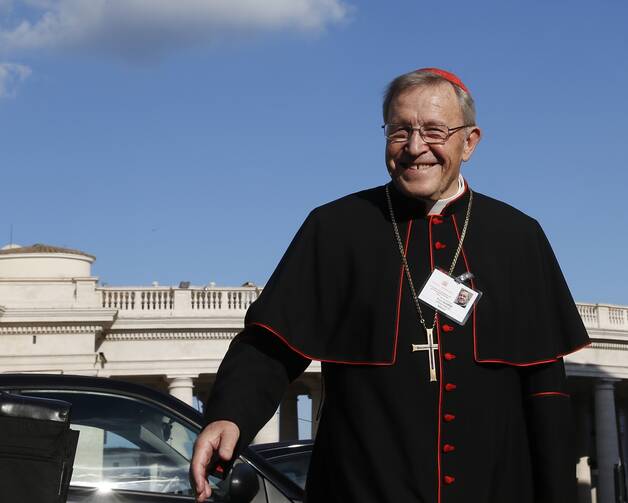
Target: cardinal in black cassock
x=489 y=420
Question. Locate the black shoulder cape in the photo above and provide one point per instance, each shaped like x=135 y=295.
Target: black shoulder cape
x=336 y=292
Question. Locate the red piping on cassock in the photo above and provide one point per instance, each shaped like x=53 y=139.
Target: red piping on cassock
x=475 y=345
x=549 y=393
x=440 y=381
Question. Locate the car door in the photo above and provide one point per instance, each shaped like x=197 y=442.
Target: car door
x=130 y=450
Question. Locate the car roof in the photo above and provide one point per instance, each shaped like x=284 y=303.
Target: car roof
x=80 y=382
x=276 y=449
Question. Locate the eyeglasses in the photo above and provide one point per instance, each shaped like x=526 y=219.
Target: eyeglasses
x=432 y=134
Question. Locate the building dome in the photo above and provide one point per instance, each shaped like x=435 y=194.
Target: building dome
x=44 y=261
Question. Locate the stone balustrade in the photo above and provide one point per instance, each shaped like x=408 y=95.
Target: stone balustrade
x=604 y=316
x=238 y=299
x=203 y=301
x=138 y=299
x=186 y=301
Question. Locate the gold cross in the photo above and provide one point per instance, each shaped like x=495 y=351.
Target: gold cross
x=430 y=347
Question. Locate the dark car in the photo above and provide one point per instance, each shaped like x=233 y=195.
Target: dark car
x=136 y=443
x=291 y=459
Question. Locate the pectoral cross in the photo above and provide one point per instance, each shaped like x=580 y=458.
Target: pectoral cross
x=431 y=348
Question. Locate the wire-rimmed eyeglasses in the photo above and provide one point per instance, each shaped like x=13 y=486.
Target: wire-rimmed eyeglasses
x=434 y=134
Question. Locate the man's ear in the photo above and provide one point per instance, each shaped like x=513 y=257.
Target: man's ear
x=472 y=140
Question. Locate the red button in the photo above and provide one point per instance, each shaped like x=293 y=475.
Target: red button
x=448 y=448
x=450 y=356
x=437 y=220
x=449 y=479
x=450 y=386
x=440 y=246
x=448 y=328
x=449 y=417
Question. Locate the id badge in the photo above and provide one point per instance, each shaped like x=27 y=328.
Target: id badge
x=449 y=296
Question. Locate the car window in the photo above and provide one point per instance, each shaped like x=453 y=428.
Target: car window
x=127 y=443
x=294 y=466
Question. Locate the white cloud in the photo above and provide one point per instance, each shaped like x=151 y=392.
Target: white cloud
x=12 y=74
x=133 y=29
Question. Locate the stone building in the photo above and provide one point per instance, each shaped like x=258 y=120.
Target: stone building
x=55 y=318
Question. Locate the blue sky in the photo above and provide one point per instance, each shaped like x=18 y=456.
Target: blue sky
x=188 y=140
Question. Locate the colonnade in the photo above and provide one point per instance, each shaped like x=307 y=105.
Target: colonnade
x=601 y=424
x=607 y=439
x=284 y=424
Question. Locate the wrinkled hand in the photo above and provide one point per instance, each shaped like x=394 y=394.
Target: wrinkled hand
x=220 y=436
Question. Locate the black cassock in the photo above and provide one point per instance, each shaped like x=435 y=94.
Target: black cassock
x=495 y=428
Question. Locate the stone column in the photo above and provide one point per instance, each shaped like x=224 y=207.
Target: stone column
x=623 y=439
x=270 y=432
x=315 y=396
x=181 y=387
x=289 y=418
x=606 y=439
x=581 y=407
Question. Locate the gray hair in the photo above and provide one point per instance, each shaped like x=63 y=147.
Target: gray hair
x=425 y=78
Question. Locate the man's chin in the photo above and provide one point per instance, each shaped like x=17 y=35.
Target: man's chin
x=416 y=190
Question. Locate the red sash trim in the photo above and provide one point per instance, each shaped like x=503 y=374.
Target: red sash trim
x=549 y=393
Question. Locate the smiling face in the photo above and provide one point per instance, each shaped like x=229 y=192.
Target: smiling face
x=428 y=171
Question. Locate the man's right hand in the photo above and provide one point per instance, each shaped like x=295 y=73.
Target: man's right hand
x=220 y=436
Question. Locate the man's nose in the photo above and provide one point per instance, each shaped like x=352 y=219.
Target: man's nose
x=415 y=145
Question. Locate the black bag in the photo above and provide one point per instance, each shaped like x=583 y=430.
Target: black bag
x=37 y=449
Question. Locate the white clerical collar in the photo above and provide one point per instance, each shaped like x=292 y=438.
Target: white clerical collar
x=439 y=205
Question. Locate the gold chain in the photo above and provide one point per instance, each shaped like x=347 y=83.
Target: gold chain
x=406 y=267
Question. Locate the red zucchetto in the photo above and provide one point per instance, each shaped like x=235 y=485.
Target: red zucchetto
x=454 y=79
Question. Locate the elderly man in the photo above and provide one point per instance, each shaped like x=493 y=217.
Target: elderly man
x=426 y=401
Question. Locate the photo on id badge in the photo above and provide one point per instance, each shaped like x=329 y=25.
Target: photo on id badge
x=463 y=297
x=449 y=296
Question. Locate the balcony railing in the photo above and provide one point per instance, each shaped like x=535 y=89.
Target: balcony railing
x=138 y=299
x=198 y=301
x=230 y=299
x=604 y=316
x=186 y=301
